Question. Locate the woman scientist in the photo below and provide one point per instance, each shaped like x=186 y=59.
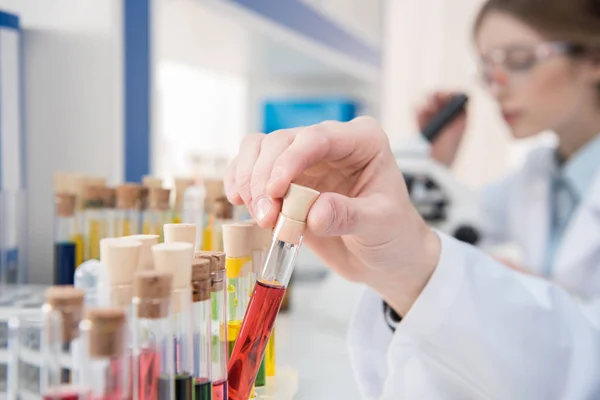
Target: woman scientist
x=471 y=328
x=541 y=61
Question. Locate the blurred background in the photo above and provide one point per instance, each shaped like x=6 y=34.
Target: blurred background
x=122 y=89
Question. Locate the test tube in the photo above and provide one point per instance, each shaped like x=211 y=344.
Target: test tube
x=105 y=365
x=176 y=258
x=153 y=371
x=268 y=293
x=237 y=239
x=68 y=302
x=67 y=239
x=127 y=217
x=120 y=258
x=157 y=213
x=218 y=298
x=201 y=320
x=261 y=241
x=145 y=262
x=223 y=214
x=193 y=209
x=110 y=201
x=94 y=221
x=181 y=184
x=214 y=189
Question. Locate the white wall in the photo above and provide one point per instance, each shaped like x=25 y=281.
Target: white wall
x=428 y=46
x=73 y=103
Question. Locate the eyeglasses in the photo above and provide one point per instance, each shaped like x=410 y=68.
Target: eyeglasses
x=504 y=65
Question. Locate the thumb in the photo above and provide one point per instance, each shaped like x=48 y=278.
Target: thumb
x=333 y=214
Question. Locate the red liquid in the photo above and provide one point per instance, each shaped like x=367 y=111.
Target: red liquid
x=220 y=390
x=252 y=341
x=149 y=367
x=64 y=393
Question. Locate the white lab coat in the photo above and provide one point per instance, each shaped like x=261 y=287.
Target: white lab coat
x=482 y=331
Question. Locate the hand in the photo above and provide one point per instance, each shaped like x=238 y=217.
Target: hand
x=445 y=147
x=363 y=225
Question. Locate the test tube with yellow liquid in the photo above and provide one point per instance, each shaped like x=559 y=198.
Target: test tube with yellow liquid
x=223 y=214
x=181 y=184
x=126 y=212
x=94 y=221
x=214 y=188
x=157 y=213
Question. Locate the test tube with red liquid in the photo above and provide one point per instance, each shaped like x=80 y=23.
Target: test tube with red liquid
x=153 y=368
x=105 y=364
x=218 y=299
x=176 y=258
x=259 y=319
x=201 y=320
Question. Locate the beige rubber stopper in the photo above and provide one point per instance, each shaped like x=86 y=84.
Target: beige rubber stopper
x=297 y=202
x=152 y=182
x=180 y=233
x=65 y=204
x=61 y=182
x=146 y=262
x=127 y=195
x=106 y=332
x=176 y=259
x=261 y=237
x=214 y=188
x=158 y=199
x=120 y=257
x=69 y=302
x=237 y=240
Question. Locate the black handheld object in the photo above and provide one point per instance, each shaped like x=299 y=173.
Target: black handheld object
x=446 y=115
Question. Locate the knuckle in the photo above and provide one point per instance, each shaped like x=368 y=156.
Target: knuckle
x=315 y=135
x=251 y=139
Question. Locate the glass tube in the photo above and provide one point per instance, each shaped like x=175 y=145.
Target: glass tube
x=193 y=210
x=184 y=344
x=153 y=373
x=126 y=213
x=94 y=221
x=13 y=234
x=65 y=239
x=110 y=201
x=157 y=214
x=260 y=317
x=201 y=317
x=237 y=289
x=219 y=334
x=105 y=365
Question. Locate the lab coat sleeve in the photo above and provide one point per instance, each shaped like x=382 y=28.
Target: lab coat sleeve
x=478 y=331
x=495 y=208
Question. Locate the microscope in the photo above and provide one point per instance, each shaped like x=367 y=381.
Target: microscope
x=443 y=202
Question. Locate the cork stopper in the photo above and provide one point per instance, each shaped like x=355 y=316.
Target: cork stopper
x=180 y=233
x=237 y=240
x=107 y=332
x=176 y=259
x=222 y=208
x=146 y=261
x=120 y=257
x=69 y=302
x=110 y=197
x=214 y=188
x=200 y=269
x=158 y=199
x=297 y=202
x=65 y=204
x=127 y=195
x=200 y=280
x=93 y=196
x=152 y=182
x=95 y=180
x=152 y=288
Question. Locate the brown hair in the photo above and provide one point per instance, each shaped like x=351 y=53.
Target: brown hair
x=573 y=21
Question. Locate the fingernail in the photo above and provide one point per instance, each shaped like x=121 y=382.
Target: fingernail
x=262 y=207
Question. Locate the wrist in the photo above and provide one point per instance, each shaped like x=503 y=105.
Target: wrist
x=401 y=284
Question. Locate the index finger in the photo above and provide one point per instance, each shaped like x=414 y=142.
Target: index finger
x=352 y=143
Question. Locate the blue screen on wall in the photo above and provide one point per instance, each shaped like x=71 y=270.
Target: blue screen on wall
x=284 y=114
